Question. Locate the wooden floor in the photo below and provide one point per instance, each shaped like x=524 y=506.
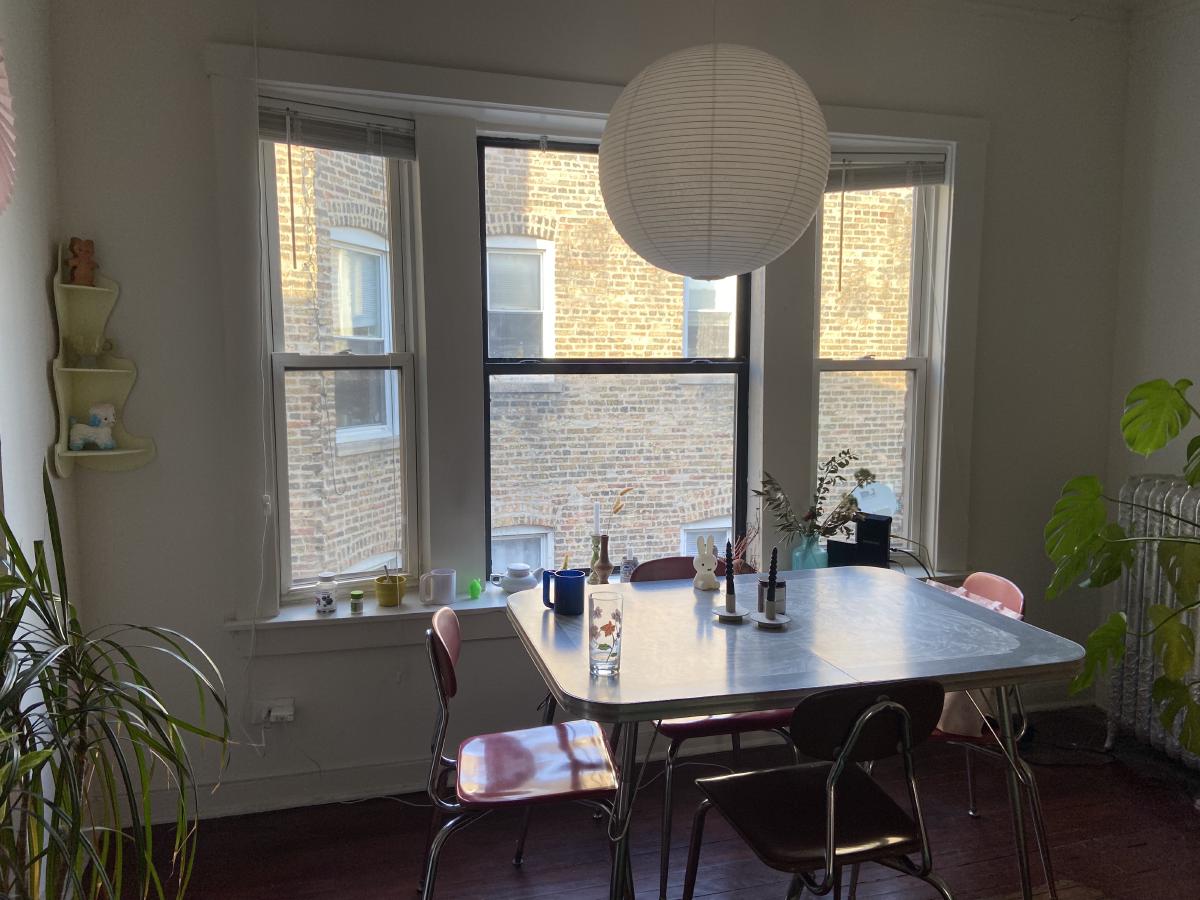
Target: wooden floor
x=1121 y=826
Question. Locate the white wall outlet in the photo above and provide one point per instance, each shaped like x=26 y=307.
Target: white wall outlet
x=268 y=712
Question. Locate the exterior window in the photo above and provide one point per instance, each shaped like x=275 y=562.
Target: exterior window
x=520 y=292
x=342 y=383
x=708 y=311
x=528 y=544
x=875 y=312
x=720 y=529
x=619 y=385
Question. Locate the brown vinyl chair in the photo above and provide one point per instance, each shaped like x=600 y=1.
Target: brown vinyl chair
x=825 y=815
x=553 y=763
x=679 y=730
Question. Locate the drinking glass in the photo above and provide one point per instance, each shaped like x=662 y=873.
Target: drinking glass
x=605 y=624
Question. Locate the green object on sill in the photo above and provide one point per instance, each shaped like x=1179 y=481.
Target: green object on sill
x=475 y=589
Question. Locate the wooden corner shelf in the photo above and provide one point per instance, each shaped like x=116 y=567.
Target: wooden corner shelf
x=82 y=312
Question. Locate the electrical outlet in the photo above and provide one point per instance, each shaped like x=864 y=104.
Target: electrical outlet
x=270 y=712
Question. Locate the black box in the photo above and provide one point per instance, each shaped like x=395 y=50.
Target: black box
x=872 y=547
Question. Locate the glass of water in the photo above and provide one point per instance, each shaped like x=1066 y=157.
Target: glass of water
x=605 y=623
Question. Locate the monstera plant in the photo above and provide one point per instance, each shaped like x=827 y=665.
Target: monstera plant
x=85 y=737
x=1090 y=549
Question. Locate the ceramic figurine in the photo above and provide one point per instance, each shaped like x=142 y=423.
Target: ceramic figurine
x=706 y=565
x=81 y=264
x=96 y=433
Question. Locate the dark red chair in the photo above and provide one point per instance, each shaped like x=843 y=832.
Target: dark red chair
x=553 y=763
x=679 y=730
x=823 y=816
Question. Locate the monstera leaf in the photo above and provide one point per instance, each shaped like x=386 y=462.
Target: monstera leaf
x=1075 y=533
x=1155 y=413
x=1173 y=641
x=1180 y=562
x=1191 y=469
x=1111 y=554
x=1104 y=646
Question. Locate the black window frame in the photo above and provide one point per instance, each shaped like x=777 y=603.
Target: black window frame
x=737 y=365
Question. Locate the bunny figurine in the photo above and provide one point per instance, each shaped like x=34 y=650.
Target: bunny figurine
x=706 y=565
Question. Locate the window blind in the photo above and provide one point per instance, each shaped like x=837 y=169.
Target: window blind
x=336 y=129
x=873 y=171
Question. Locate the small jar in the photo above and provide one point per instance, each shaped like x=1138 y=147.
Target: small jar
x=356 y=603
x=628 y=564
x=326 y=594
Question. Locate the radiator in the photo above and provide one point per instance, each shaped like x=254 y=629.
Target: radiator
x=1145 y=500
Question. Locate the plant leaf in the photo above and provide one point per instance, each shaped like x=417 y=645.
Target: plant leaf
x=1180 y=562
x=1111 y=555
x=1191 y=469
x=1189 y=732
x=1172 y=696
x=1155 y=413
x=1104 y=646
x=1173 y=641
x=1077 y=517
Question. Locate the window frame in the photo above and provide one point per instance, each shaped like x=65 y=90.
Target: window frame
x=544 y=250
x=544 y=532
x=737 y=365
x=400 y=289
x=688 y=312
x=925 y=303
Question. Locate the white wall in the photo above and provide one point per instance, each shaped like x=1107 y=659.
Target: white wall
x=28 y=239
x=1158 y=310
x=134 y=124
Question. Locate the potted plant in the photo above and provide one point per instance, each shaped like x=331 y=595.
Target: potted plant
x=1090 y=549
x=815 y=523
x=84 y=737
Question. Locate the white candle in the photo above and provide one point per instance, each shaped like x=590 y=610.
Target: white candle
x=595 y=518
x=730 y=604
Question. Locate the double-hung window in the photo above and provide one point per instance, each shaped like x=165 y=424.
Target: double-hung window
x=608 y=379
x=336 y=192
x=877 y=318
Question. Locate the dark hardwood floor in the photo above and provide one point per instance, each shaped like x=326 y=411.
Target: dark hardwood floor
x=1121 y=826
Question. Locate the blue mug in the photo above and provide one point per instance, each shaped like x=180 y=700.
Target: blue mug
x=568 y=591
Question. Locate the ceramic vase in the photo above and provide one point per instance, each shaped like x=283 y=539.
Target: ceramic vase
x=809 y=554
x=603 y=566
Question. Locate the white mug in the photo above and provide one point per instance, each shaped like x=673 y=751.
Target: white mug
x=437 y=587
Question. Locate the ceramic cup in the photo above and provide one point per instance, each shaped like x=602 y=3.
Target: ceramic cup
x=389 y=589
x=437 y=587
x=780 y=596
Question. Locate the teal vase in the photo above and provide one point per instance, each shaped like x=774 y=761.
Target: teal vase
x=809 y=554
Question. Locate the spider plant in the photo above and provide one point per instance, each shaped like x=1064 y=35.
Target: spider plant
x=85 y=736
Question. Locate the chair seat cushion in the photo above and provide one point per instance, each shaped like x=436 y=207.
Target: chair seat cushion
x=780 y=814
x=568 y=761
x=732 y=723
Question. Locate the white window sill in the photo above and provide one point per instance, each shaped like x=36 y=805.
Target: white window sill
x=299 y=629
x=352 y=445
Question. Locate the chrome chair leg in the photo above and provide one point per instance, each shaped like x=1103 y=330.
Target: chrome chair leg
x=693 y=860
x=854 y=880
x=435 y=849
x=1039 y=828
x=972 y=811
x=736 y=740
x=796 y=888
x=664 y=852
x=938 y=884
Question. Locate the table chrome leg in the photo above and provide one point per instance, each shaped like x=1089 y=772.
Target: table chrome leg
x=622 y=813
x=1016 y=801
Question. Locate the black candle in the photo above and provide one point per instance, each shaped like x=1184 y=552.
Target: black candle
x=729 y=568
x=772 y=574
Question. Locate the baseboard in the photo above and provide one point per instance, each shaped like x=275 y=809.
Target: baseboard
x=287 y=790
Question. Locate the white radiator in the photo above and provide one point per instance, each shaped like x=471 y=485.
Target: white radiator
x=1145 y=500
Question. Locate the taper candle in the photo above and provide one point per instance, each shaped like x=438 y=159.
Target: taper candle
x=730 y=593
x=596 y=518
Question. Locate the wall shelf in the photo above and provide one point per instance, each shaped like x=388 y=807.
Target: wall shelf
x=82 y=312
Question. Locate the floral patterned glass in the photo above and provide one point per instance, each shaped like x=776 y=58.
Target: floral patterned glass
x=604 y=632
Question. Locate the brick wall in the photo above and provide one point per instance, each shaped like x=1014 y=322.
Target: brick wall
x=561 y=443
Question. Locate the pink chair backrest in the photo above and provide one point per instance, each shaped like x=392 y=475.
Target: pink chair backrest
x=670 y=568
x=445 y=643
x=998 y=589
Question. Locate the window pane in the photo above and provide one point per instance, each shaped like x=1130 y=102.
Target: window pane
x=514 y=280
x=515 y=335
x=345 y=503
x=866 y=273
x=509 y=549
x=870 y=413
x=565 y=442
x=333 y=212
x=608 y=303
x=360 y=397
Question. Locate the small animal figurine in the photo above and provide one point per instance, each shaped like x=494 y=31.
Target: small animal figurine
x=81 y=264
x=96 y=434
x=706 y=565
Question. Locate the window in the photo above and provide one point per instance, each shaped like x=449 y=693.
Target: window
x=339 y=239
x=520 y=296
x=637 y=377
x=708 y=310
x=529 y=544
x=719 y=529
x=876 y=306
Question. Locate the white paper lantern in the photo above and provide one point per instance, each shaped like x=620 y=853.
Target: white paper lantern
x=8 y=139
x=714 y=160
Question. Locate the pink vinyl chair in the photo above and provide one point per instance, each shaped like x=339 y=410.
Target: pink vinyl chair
x=552 y=763
x=679 y=730
x=961 y=723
